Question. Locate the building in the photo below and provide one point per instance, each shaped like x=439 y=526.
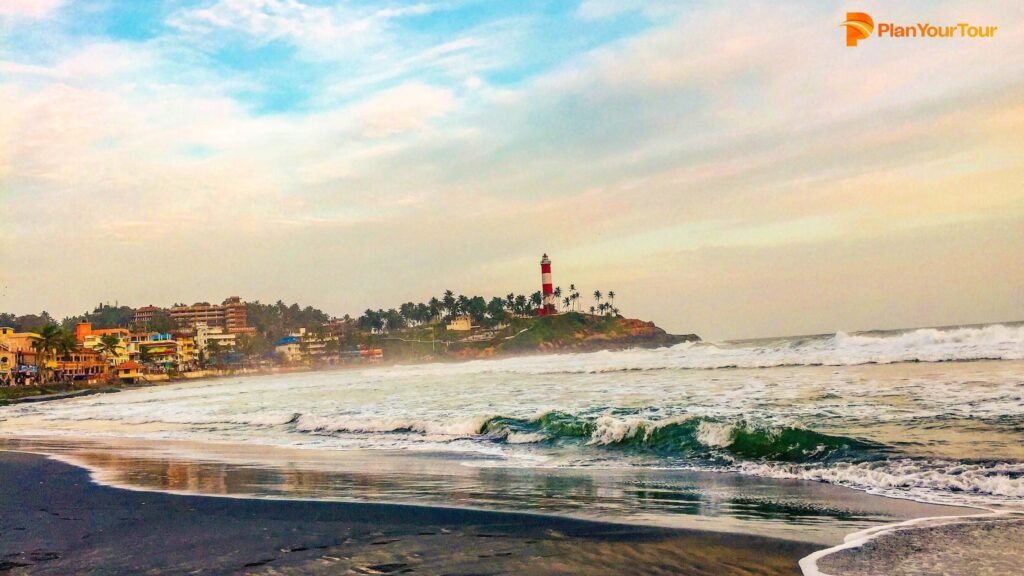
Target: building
x=91 y=339
x=549 y=305
x=144 y=315
x=82 y=364
x=231 y=315
x=213 y=337
x=18 y=341
x=306 y=345
x=129 y=372
x=289 y=348
x=461 y=323
x=8 y=365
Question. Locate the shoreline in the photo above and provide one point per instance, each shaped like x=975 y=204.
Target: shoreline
x=114 y=385
x=69 y=524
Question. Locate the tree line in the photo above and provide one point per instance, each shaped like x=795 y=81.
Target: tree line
x=483 y=311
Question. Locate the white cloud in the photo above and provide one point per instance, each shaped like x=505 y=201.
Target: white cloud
x=29 y=8
x=400 y=109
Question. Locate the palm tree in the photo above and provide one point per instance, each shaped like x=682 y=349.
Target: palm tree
x=109 y=346
x=536 y=299
x=449 y=302
x=520 y=305
x=213 y=351
x=598 y=296
x=49 y=342
x=565 y=302
x=593 y=310
x=611 y=297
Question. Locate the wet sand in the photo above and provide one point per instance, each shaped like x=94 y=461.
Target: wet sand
x=987 y=545
x=54 y=520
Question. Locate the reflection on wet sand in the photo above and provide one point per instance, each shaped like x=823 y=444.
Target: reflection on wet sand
x=797 y=510
x=67 y=525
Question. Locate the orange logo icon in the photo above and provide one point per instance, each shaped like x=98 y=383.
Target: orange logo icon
x=858 y=27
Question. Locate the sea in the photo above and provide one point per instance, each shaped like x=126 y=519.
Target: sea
x=835 y=439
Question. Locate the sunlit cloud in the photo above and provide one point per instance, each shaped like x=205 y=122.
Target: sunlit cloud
x=630 y=140
x=29 y=8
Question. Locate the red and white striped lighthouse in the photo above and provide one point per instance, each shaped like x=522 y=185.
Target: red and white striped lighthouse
x=546 y=287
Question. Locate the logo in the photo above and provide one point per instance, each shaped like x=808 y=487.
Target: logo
x=859 y=26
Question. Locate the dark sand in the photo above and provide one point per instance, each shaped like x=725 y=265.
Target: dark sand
x=982 y=546
x=54 y=520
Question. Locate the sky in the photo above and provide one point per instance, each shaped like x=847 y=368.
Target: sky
x=727 y=168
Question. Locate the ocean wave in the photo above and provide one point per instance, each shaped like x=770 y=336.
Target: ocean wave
x=991 y=342
x=686 y=436
x=933 y=480
x=464 y=428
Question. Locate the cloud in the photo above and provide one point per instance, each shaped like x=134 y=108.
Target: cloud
x=453 y=157
x=401 y=109
x=327 y=31
x=33 y=9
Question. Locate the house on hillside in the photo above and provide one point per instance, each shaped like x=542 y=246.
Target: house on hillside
x=462 y=323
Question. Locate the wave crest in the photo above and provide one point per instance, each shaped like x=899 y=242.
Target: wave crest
x=687 y=436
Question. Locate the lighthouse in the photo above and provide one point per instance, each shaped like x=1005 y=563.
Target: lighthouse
x=546 y=287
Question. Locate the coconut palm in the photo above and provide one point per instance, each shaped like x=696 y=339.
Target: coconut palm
x=48 y=344
x=536 y=299
x=213 y=351
x=109 y=346
x=598 y=296
x=521 y=304
x=565 y=302
x=611 y=297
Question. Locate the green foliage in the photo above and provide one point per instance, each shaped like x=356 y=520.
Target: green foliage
x=104 y=317
x=109 y=345
x=26 y=322
x=273 y=321
x=161 y=322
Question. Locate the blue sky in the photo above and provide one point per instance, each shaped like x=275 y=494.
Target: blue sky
x=699 y=158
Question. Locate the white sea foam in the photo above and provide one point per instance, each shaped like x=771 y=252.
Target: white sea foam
x=331 y=424
x=968 y=411
x=610 y=430
x=715 y=434
x=993 y=342
x=938 y=481
x=524 y=438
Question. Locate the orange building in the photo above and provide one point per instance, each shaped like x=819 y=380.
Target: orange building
x=82 y=364
x=129 y=371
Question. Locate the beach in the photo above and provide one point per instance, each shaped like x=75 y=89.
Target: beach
x=54 y=520
x=746 y=458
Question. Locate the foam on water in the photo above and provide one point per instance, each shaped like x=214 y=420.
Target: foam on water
x=992 y=342
x=814 y=408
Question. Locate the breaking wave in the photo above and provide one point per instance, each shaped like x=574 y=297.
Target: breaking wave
x=991 y=342
x=691 y=437
x=704 y=438
x=782 y=452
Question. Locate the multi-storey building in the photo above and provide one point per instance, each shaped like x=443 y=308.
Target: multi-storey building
x=231 y=315
x=93 y=340
x=144 y=315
